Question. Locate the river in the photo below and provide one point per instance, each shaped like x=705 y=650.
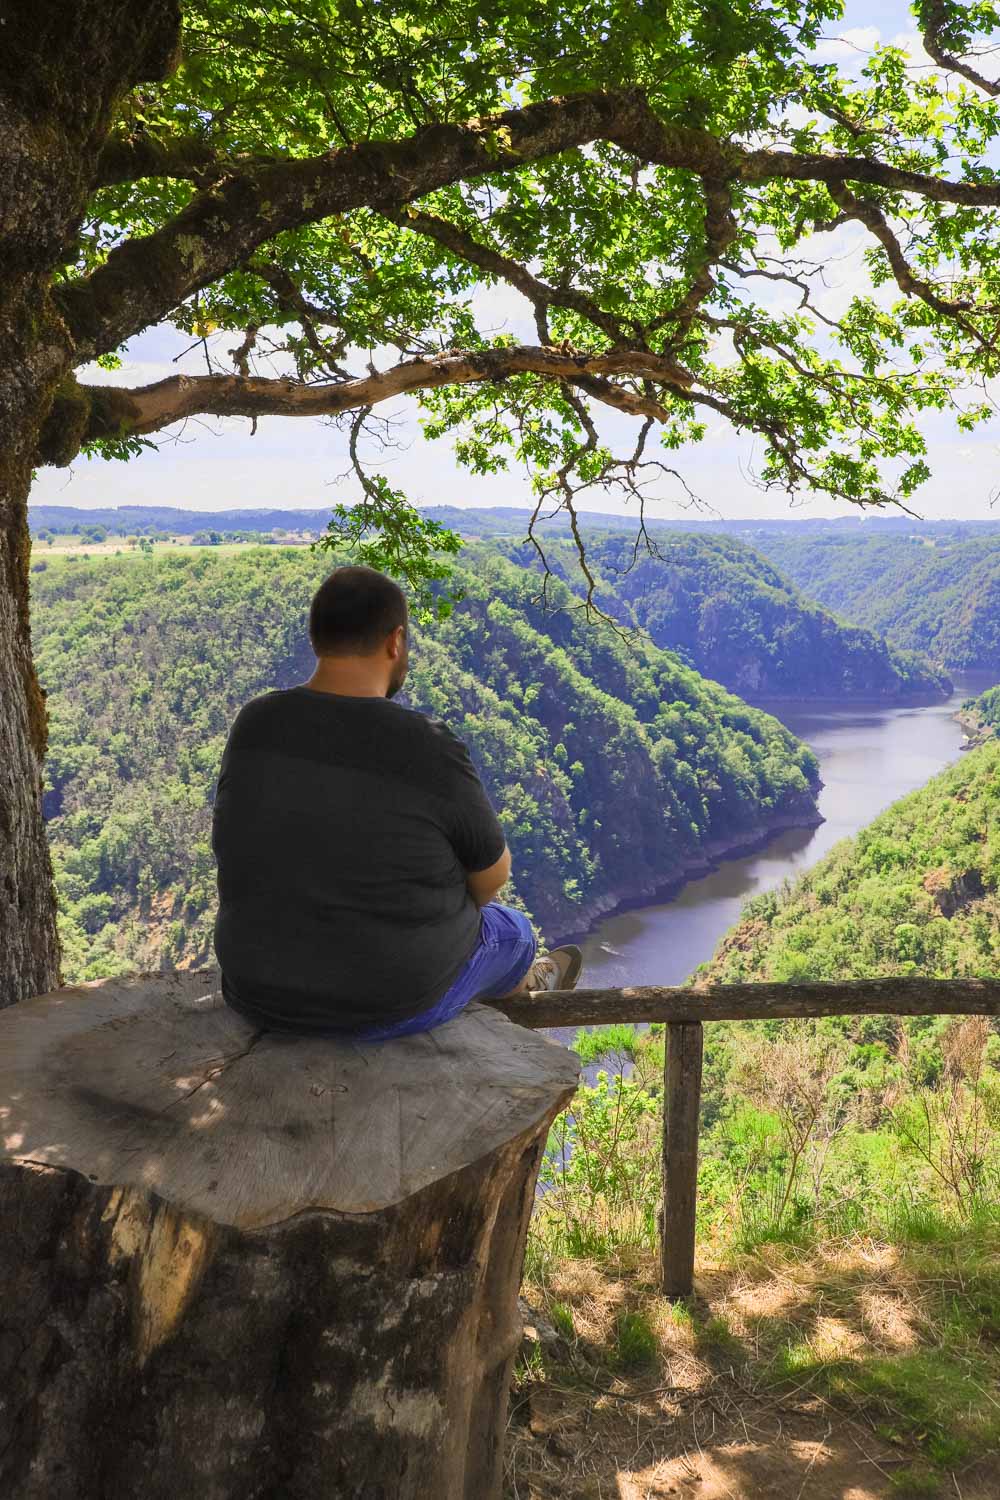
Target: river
x=869 y=756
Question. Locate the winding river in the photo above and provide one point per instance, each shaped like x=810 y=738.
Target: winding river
x=869 y=756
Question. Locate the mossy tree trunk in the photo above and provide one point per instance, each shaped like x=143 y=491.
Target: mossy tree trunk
x=63 y=68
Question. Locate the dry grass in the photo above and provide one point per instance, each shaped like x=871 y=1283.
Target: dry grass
x=847 y=1374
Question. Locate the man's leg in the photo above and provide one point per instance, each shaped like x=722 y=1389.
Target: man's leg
x=502 y=956
x=502 y=963
x=509 y=930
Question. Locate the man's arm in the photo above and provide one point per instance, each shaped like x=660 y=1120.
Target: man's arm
x=485 y=884
x=472 y=824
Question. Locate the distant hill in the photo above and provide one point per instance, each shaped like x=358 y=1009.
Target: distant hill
x=939 y=595
x=916 y=892
x=503 y=520
x=708 y=596
x=730 y=614
x=140 y=520
x=617 y=770
x=509 y=519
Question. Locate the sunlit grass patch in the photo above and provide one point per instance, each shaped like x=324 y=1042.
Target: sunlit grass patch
x=906 y=1339
x=903 y=1339
x=635 y=1341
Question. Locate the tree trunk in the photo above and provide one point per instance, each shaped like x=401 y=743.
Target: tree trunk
x=63 y=68
x=238 y=1265
x=28 y=947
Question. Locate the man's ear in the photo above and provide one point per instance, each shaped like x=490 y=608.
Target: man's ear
x=397 y=641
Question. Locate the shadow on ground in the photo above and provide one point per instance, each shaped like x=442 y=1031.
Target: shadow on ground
x=859 y=1373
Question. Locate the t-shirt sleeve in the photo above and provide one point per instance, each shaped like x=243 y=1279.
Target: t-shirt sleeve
x=472 y=825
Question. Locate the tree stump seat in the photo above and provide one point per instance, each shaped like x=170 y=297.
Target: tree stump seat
x=238 y=1264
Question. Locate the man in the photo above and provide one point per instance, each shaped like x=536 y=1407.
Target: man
x=358 y=853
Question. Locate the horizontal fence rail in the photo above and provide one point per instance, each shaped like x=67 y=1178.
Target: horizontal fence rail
x=684 y=1011
x=754 y=1002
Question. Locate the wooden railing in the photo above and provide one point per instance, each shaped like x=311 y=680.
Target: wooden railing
x=684 y=1011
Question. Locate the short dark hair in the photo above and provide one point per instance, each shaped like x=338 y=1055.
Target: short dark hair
x=353 y=611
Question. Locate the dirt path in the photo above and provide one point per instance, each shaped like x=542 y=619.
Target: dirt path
x=723 y=1444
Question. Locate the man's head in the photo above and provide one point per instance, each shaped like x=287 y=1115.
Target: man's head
x=358 y=621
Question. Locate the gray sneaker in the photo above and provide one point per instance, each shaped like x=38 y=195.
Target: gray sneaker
x=558 y=970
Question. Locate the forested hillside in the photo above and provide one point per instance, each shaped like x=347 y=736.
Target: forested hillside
x=916 y=891
x=980 y=716
x=616 y=770
x=941 y=597
x=731 y=615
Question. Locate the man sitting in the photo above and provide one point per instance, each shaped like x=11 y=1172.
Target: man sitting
x=358 y=853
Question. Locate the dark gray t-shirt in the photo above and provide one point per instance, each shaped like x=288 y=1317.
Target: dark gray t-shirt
x=343 y=830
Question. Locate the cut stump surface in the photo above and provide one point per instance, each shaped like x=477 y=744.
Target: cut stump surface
x=236 y=1264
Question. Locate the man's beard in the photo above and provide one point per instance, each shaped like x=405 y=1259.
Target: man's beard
x=398 y=677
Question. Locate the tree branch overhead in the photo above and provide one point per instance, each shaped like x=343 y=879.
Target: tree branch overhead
x=116 y=412
x=145 y=278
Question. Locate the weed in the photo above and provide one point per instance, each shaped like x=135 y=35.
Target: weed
x=915 y=1484
x=635 y=1341
x=562 y=1320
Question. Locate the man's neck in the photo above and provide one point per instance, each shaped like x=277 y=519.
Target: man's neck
x=348 y=677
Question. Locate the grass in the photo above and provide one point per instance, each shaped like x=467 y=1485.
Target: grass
x=561 y=1316
x=849 y=1254
x=636 y=1345
x=905 y=1336
x=915 y=1484
x=902 y=1341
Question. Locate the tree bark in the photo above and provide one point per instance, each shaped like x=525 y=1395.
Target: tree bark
x=62 y=71
x=28 y=945
x=241 y=1266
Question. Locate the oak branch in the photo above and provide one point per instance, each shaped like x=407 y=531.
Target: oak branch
x=243 y=202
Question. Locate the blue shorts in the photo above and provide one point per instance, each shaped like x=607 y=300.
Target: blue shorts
x=501 y=958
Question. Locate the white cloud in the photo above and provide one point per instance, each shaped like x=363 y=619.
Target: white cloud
x=912 y=43
x=849 y=47
x=132 y=372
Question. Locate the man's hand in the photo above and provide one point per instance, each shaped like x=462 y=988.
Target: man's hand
x=484 y=884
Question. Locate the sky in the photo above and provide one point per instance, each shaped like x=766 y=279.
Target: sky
x=210 y=464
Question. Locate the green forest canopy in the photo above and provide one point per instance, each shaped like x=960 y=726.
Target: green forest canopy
x=733 y=617
x=981 y=715
x=917 y=891
x=939 y=596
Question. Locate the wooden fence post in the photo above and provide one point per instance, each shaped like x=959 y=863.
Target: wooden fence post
x=681 y=1111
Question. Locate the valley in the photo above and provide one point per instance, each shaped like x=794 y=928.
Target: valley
x=868 y=758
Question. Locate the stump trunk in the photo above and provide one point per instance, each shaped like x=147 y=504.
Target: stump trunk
x=239 y=1265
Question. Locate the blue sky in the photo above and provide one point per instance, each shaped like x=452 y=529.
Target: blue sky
x=211 y=465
